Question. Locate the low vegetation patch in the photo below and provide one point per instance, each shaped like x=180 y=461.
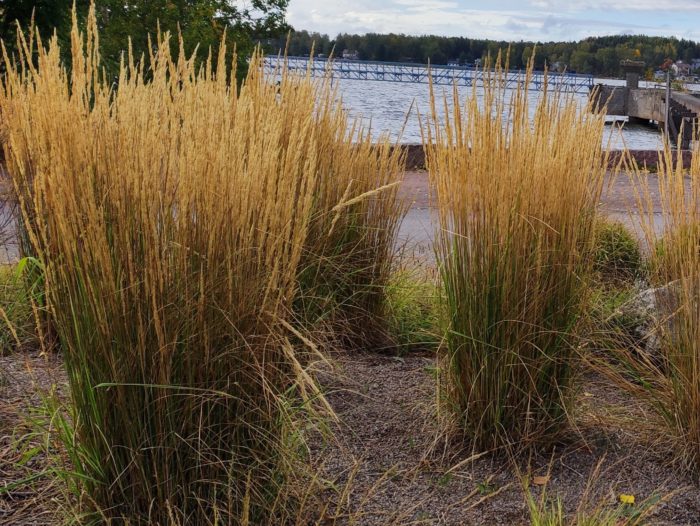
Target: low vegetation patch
x=617 y=255
x=413 y=310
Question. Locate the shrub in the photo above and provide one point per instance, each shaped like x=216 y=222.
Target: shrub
x=517 y=199
x=170 y=215
x=617 y=255
x=616 y=318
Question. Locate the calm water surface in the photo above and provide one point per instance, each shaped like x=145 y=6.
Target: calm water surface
x=387 y=106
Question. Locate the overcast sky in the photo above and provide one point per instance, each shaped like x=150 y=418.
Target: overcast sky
x=500 y=19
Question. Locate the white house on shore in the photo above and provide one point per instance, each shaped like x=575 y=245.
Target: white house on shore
x=681 y=69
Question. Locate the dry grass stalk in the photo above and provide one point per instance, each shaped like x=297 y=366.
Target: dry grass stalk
x=351 y=246
x=667 y=375
x=517 y=192
x=172 y=214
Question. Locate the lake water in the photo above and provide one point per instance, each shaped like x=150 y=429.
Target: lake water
x=388 y=105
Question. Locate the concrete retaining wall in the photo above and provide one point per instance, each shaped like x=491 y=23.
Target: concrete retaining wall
x=646 y=104
x=415 y=157
x=614 y=96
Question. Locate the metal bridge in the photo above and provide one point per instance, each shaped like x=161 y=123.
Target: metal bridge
x=422 y=73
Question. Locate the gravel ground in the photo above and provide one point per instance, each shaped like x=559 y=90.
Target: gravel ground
x=407 y=475
x=24 y=377
x=386 y=457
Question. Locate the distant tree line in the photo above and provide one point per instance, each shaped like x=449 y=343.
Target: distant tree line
x=204 y=23
x=595 y=55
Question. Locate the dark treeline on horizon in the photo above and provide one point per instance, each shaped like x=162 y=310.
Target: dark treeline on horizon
x=595 y=55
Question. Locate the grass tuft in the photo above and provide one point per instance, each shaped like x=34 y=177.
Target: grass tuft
x=625 y=510
x=668 y=375
x=349 y=253
x=517 y=205
x=171 y=213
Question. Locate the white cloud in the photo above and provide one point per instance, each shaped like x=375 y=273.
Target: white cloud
x=538 y=20
x=620 y=5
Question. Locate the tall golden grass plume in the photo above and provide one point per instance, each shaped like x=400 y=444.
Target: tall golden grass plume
x=350 y=252
x=517 y=189
x=667 y=373
x=171 y=212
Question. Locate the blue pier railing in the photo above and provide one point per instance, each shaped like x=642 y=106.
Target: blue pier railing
x=422 y=73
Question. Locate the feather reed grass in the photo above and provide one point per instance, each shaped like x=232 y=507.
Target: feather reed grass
x=666 y=374
x=172 y=214
x=350 y=251
x=517 y=194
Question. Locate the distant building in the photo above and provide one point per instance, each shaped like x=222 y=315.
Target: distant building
x=680 y=69
x=453 y=62
x=695 y=64
x=350 y=54
x=558 y=67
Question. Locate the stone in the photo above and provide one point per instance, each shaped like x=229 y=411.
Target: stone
x=648 y=315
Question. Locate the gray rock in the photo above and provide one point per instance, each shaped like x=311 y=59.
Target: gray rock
x=649 y=314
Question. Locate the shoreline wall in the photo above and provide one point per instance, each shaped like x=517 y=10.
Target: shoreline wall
x=415 y=157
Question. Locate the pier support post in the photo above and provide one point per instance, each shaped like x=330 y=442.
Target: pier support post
x=667 y=106
x=633 y=69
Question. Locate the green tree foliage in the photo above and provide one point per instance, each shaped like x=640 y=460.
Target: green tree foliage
x=201 y=23
x=599 y=55
x=47 y=16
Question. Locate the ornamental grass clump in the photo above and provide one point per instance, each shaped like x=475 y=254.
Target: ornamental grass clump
x=170 y=211
x=667 y=372
x=517 y=192
x=350 y=251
